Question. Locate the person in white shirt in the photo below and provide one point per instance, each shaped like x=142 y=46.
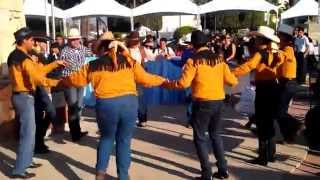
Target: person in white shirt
x=301 y=44
x=164 y=52
x=149 y=48
x=139 y=53
x=311 y=58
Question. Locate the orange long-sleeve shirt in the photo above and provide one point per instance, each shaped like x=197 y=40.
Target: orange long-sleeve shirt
x=263 y=71
x=25 y=76
x=109 y=84
x=288 y=69
x=207 y=82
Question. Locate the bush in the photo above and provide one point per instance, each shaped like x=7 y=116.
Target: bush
x=184 y=30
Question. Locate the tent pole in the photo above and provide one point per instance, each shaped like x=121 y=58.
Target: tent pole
x=215 y=23
x=132 y=18
x=47 y=18
x=205 y=21
x=318 y=11
x=64 y=20
x=132 y=23
x=107 y=22
x=97 y=26
x=53 y=20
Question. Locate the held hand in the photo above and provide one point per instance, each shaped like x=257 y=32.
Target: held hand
x=61 y=63
x=116 y=45
x=166 y=84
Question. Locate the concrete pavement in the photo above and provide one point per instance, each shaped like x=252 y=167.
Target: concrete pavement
x=162 y=151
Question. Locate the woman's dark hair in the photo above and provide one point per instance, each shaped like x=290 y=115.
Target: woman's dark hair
x=286 y=37
x=265 y=41
x=163 y=39
x=19 y=43
x=104 y=45
x=199 y=45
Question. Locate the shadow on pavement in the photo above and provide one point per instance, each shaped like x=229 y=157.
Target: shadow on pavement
x=58 y=160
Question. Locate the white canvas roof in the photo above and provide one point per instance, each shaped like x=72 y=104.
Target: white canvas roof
x=37 y=8
x=302 y=8
x=98 y=8
x=166 y=7
x=237 y=5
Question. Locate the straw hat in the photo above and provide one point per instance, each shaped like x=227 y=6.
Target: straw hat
x=74 y=33
x=286 y=29
x=266 y=32
x=107 y=36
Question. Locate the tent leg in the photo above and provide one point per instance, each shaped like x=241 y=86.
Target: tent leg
x=97 y=26
x=107 y=23
x=47 y=19
x=215 y=23
x=53 y=20
x=64 y=21
x=132 y=23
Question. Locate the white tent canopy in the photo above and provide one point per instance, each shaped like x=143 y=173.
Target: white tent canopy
x=302 y=8
x=37 y=8
x=237 y=5
x=98 y=8
x=166 y=7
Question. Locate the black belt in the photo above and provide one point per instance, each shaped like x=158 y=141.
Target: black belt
x=24 y=92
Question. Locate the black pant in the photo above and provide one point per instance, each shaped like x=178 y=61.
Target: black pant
x=206 y=117
x=266 y=108
x=301 y=68
x=287 y=123
x=287 y=89
x=74 y=99
x=45 y=113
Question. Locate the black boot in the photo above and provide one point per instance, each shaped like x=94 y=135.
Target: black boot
x=143 y=118
x=263 y=154
x=271 y=151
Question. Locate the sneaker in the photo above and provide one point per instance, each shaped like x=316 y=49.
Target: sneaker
x=25 y=175
x=221 y=175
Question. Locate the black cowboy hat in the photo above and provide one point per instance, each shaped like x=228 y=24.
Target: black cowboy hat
x=22 y=34
x=198 y=37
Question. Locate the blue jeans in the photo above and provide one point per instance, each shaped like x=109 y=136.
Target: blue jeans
x=116 y=121
x=24 y=108
x=74 y=99
x=206 y=117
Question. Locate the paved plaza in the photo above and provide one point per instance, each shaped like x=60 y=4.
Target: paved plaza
x=162 y=151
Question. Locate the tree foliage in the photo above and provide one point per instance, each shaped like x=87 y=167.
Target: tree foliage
x=184 y=30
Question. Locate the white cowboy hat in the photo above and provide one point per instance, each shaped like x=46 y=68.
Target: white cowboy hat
x=286 y=29
x=274 y=47
x=266 y=32
x=74 y=33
